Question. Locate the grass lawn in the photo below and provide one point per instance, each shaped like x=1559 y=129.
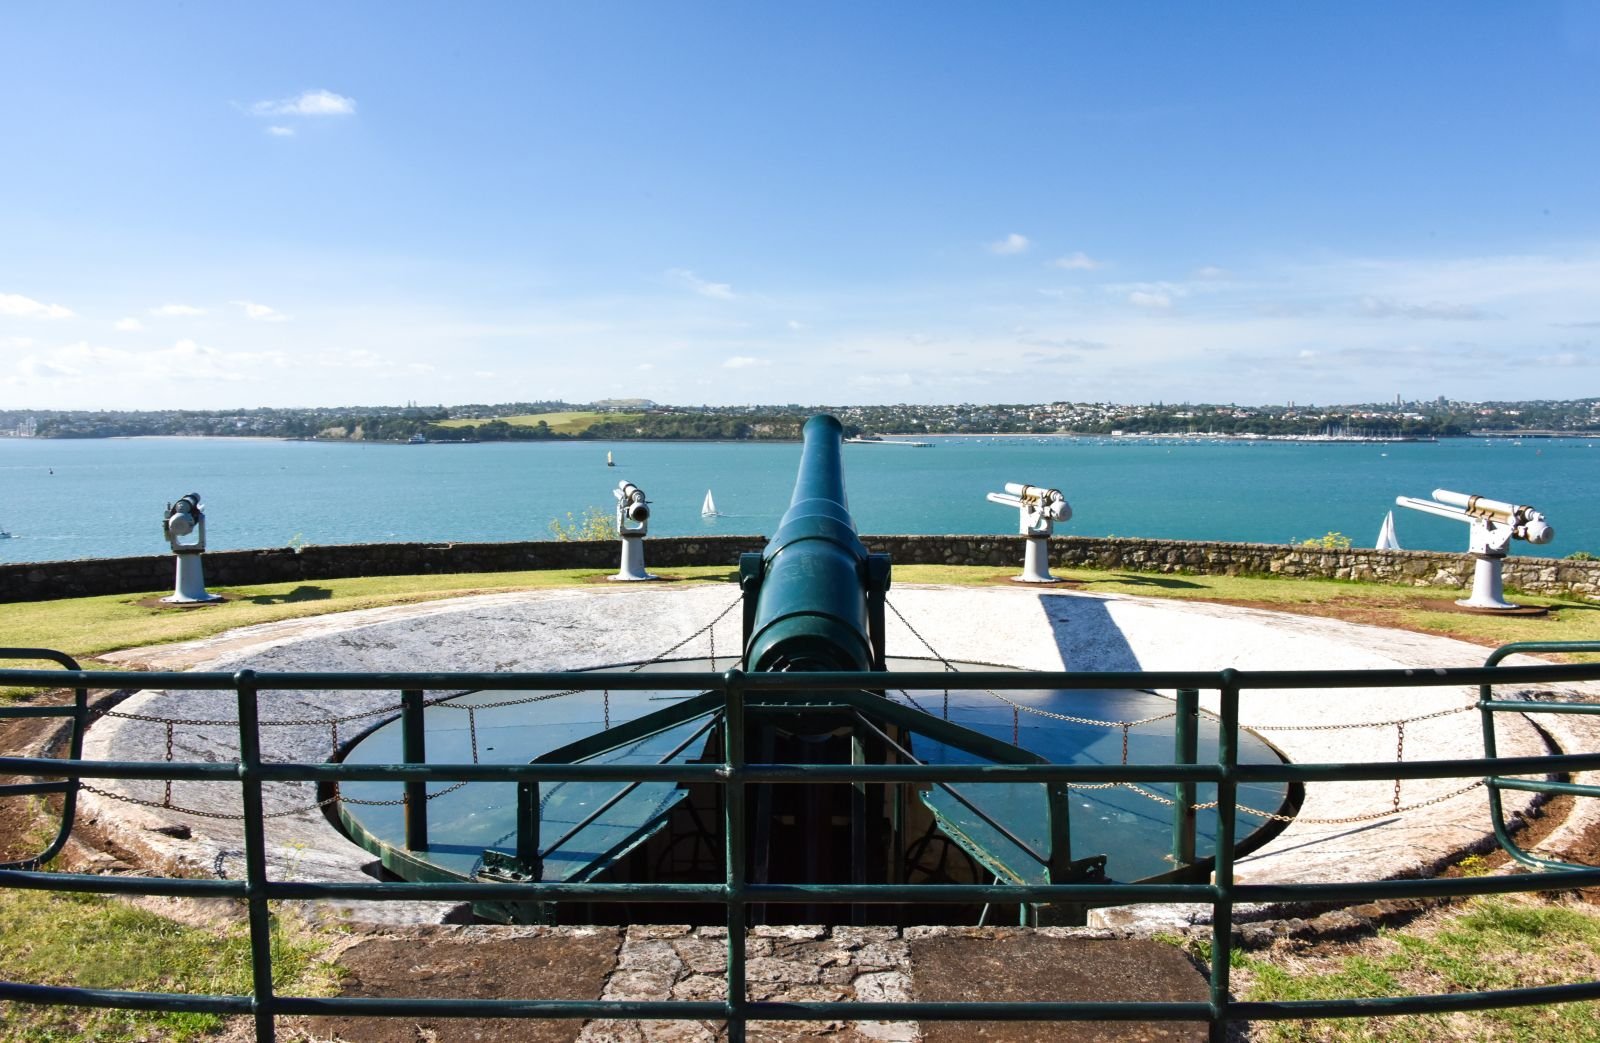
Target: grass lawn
x=89 y=941
x=1488 y=943
x=571 y=423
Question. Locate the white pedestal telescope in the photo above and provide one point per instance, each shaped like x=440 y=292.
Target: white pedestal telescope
x=633 y=517
x=1495 y=524
x=1039 y=510
x=182 y=518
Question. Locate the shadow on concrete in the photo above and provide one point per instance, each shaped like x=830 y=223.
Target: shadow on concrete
x=1085 y=633
x=303 y=592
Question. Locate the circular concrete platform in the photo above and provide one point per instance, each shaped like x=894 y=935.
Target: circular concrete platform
x=1344 y=831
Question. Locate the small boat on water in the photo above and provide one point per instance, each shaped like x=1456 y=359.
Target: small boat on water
x=708 y=509
x=610 y=462
x=1386 y=537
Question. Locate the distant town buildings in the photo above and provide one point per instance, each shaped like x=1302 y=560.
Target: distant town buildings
x=641 y=418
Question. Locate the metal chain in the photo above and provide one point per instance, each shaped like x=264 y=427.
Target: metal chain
x=166 y=798
x=918 y=635
x=97 y=791
x=1399 y=757
x=1351 y=819
x=1402 y=722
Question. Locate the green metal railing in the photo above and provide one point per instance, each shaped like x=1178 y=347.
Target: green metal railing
x=736 y=893
x=1488 y=706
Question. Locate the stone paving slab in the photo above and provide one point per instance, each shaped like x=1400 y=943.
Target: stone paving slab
x=1022 y=966
x=473 y=963
x=804 y=963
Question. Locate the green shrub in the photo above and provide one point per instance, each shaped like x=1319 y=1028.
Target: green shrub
x=596 y=523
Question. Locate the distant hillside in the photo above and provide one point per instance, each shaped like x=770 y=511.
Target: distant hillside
x=574 y=422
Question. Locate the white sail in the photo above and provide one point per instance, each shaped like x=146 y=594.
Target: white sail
x=610 y=462
x=1386 y=537
x=709 y=508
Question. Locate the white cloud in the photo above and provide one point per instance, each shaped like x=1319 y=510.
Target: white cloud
x=1078 y=261
x=260 y=312
x=177 y=310
x=28 y=308
x=1210 y=271
x=744 y=362
x=19 y=342
x=1011 y=244
x=280 y=131
x=1383 y=308
x=355 y=358
x=716 y=290
x=142 y=372
x=308 y=103
x=1154 y=300
x=129 y=325
x=793 y=325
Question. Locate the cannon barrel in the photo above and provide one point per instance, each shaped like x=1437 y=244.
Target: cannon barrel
x=814 y=596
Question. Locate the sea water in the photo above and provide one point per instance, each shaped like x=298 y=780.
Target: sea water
x=104 y=497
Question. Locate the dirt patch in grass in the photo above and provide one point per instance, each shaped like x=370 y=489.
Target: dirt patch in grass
x=1391 y=613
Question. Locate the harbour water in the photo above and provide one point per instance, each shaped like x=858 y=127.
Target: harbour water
x=103 y=498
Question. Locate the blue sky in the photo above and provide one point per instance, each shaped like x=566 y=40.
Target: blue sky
x=820 y=203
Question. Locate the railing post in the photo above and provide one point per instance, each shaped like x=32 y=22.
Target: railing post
x=255 y=855
x=1186 y=748
x=414 y=750
x=528 y=826
x=1222 y=877
x=734 y=832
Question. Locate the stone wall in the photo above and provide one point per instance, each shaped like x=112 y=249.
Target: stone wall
x=34 y=581
x=1553 y=577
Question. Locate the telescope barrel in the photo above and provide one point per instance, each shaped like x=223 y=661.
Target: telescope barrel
x=1032 y=493
x=1431 y=507
x=811 y=608
x=1480 y=505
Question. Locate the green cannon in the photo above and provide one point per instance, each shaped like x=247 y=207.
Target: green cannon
x=814 y=599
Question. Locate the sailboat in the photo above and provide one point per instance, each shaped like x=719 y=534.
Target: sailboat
x=708 y=509
x=610 y=462
x=1386 y=537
